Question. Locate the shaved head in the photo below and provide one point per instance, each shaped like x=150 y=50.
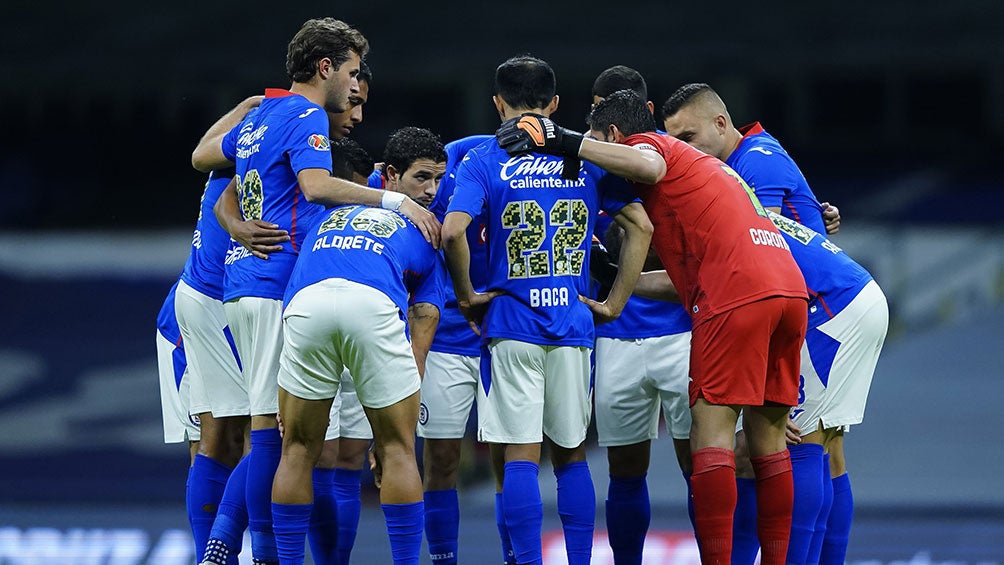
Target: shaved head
x=697 y=115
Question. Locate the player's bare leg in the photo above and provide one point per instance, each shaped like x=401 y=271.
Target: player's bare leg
x=441 y=459
x=401 y=485
x=765 y=435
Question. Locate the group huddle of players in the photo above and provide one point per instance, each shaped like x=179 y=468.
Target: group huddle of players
x=317 y=316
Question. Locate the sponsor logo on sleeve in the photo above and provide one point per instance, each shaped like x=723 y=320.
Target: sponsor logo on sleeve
x=319 y=142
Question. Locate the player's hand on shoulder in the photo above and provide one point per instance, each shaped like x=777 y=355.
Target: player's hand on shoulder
x=602 y=312
x=424 y=220
x=259 y=237
x=533 y=133
x=831 y=218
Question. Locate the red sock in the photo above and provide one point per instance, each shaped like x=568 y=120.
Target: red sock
x=775 y=495
x=714 y=487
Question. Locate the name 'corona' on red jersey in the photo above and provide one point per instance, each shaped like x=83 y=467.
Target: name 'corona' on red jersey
x=712 y=234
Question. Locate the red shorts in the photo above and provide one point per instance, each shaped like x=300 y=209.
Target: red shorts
x=749 y=355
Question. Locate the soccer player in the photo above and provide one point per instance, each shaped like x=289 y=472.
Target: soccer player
x=450 y=384
x=336 y=478
x=744 y=292
x=361 y=270
x=697 y=115
x=283 y=161
x=350 y=161
x=540 y=220
x=220 y=398
x=642 y=368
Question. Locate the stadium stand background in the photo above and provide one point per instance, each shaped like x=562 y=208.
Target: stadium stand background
x=894 y=110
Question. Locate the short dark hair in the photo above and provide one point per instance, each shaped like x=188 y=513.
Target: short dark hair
x=683 y=96
x=349 y=157
x=320 y=38
x=620 y=78
x=365 y=73
x=409 y=144
x=624 y=109
x=525 y=82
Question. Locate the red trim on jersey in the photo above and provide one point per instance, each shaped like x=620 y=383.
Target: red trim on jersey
x=292 y=230
x=278 y=93
x=815 y=295
x=178 y=343
x=751 y=129
x=793 y=211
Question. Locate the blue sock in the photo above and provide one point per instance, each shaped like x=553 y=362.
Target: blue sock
x=824 y=513
x=745 y=542
x=323 y=531
x=442 y=525
x=207 y=480
x=806 y=474
x=577 y=509
x=508 y=556
x=838 y=526
x=629 y=513
x=263 y=460
x=227 y=534
x=405 y=523
x=290 y=522
x=524 y=512
x=347 y=493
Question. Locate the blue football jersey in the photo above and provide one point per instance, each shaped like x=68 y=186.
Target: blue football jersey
x=642 y=317
x=538 y=229
x=453 y=335
x=277 y=140
x=167 y=326
x=204 y=267
x=375 y=247
x=766 y=167
x=832 y=278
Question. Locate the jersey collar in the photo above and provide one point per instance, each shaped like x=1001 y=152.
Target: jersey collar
x=278 y=93
x=751 y=129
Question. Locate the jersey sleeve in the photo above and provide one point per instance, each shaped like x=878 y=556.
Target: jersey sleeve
x=615 y=193
x=229 y=143
x=770 y=175
x=430 y=287
x=471 y=190
x=308 y=146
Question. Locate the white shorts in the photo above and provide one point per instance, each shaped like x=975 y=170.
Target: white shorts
x=203 y=324
x=449 y=388
x=857 y=333
x=347 y=418
x=635 y=378
x=256 y=324
x=535 y=389
x=179 y=425
x=338 y=324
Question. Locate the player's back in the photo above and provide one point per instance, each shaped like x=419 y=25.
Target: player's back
x=274 y=142
x=539 y=226
x=832 y=278
x=204 y=267
x=371 y=246
x=772 y=173
x=712 y=234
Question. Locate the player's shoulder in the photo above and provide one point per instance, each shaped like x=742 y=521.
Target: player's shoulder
x=650 y=141
x=456 y=149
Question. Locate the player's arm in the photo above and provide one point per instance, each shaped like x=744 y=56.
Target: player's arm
x=634 y=249
x=319 y=187
x=257 y=236
x=656 y=285
x=531 y=133
x=208 y=154
x=423 y=318
x=471 y=304
x=632 y=163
